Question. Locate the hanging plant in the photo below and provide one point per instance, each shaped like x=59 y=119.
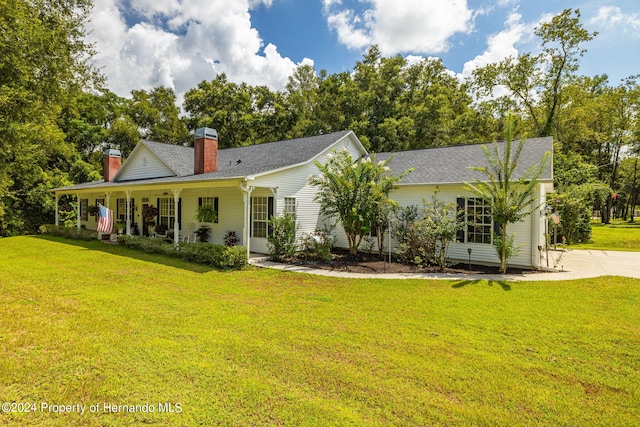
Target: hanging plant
x=206 y=213
x=149 y=212
x=93 y=210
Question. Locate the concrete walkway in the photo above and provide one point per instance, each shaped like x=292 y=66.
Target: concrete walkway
x=573 y=264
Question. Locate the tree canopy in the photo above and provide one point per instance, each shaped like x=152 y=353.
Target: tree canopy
x=56 y=116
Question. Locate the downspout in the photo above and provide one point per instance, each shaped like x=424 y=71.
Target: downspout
x=536 y=221
x=274 y=191
x=246 y=194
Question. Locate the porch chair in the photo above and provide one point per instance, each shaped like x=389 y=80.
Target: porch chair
x=189 y=235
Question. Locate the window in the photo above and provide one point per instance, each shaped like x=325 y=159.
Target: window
x=476 y=214
x=290 y=206
x=121 y=214
x=210 y=201
x=167 y=212
x=259 y=215
x=84 y=209
x=479 y=221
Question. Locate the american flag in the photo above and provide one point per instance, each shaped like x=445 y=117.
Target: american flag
x=105 y=220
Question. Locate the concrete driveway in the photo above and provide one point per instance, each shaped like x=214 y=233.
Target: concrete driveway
x=576 y=264
x=573 y=264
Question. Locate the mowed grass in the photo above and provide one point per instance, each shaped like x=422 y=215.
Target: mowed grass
x=90 y=323
x=617 y=236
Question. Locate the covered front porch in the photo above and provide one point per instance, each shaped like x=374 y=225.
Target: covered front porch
x=240 y=208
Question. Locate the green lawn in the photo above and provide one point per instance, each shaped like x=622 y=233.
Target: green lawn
x=617 y=236
x=89 y=323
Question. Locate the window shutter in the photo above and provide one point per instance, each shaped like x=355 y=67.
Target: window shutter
x=199 y=201
x=158 y=216
x=179 y=213
x=215 y=208
x=117 y=213
x=497 y=227
x=460 y=217
x=269 y=214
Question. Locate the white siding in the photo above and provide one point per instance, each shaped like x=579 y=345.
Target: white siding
x=481 y=253
x=143 y=164
x=293 y=183
x=230 y=211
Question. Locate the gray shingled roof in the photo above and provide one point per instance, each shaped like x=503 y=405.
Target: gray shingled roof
x=236 y=162
x=442 y=165
x=178 y=157
x=448 y=165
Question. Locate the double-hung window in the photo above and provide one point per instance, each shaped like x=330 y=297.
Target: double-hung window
x=260 y=216
x=84 y=209
x=290 y=206
x=167 y=211
x=478 y=219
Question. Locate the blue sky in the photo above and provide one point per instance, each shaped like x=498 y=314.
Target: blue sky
x=178 y=43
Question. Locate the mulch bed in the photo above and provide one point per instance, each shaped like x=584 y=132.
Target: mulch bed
x=374 y=264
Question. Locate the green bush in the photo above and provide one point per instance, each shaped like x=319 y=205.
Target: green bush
x=281 y=240
x=219 y=256
x=317 y=245
x=68 y=232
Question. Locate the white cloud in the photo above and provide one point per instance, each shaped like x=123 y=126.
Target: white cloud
x=399 y=25
x=612 y=17
x=502 y=44
x=179 y=44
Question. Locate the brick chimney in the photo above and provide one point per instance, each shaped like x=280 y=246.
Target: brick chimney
x=206 y=151
x=111 y=162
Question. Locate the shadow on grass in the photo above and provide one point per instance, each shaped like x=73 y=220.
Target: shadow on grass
x=115 y=249
x=461 y=284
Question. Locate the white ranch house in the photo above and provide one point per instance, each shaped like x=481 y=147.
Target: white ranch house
x=247 y=185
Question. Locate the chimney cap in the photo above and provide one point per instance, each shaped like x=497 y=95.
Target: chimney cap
x=206 y=133
x=112 y=152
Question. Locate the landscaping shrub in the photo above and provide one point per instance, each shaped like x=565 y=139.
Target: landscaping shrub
x=281 y=241
x=68 y=232
x=231 y=238
x=424 y=235
x=219 y=256
x=317 y=245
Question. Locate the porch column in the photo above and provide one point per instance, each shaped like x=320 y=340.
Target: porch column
x=246 y=196
x=128 y=193
x=56 y=212
x=274 y=191
x=108 y=199
x=176 y=225
x=78 y=210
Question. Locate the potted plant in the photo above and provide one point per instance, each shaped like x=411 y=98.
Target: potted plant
x=206 y=213
x=161 y=228
x=203 y=233
x=230 y=238
x=151 y=226
x=120 y=225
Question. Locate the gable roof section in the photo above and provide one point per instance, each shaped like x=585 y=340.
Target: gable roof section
x=238 y=162
x=268 y=157
x=177 y=157
x=151 y=159
x=449 y=165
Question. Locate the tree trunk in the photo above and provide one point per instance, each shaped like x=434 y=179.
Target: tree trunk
x=632 y=196
x=503 y=255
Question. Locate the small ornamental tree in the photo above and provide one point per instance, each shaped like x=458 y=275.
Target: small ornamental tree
x=353 y=192
x=511 y=199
